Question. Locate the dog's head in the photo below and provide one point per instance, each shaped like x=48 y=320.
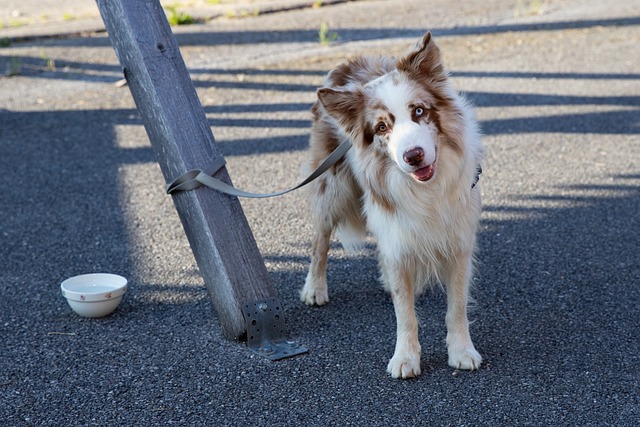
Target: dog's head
x=407 y=114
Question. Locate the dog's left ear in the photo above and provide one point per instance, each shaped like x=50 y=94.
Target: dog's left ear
x=425 y=60
x=343 y=105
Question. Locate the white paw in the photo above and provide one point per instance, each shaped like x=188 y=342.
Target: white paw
x=404 y=365
x=465 y=358
x=314 y=294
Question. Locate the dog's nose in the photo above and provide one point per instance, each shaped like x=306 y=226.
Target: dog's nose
x=414 y=156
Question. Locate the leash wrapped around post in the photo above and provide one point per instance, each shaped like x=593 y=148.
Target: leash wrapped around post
x=195 y=178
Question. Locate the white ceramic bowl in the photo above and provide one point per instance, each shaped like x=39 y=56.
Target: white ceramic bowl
x=94 y=295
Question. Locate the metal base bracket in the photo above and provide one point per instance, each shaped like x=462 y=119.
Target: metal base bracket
x=266 y=334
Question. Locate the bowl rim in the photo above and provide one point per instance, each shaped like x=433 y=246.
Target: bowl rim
x=71 y=287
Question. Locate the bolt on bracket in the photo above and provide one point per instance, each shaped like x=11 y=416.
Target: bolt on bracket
x=266 y=334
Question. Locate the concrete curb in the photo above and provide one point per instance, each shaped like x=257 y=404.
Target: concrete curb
x=200 y=12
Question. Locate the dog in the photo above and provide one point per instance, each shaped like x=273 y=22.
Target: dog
x=409 y=179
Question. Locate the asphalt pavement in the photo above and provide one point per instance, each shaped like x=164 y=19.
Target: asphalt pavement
x=556 y=87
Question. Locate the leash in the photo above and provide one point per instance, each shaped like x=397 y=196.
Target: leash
x=196 y=177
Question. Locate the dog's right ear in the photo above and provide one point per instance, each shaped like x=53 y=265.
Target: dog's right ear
x=344 y=106
x=424 y=61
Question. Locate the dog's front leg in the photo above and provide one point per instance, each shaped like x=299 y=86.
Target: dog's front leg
x=462 y=353
x=405 y=362
x=315 y=291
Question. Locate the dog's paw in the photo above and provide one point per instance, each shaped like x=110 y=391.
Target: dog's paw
x=404 y=365
x=312 y=294
x=465 y=358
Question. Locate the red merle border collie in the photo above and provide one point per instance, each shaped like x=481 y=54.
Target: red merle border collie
x=409 y=180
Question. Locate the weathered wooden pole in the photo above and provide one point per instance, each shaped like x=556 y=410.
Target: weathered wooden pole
x=220 y=237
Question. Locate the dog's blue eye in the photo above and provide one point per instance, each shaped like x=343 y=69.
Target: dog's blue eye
x=419 y=111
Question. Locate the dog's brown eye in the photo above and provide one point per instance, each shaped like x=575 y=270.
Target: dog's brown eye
x=381 y=127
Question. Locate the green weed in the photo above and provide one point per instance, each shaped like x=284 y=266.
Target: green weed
x=325 y=35
x=50 y=64
x=241 y=13
x=14 y=23
x=178 y=17
x=530 y=7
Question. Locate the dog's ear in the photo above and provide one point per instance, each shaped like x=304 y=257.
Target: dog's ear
x=425 y=60
x=344 y=106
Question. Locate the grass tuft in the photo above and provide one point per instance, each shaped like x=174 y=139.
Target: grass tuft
x=178 y=17
x=325 y=35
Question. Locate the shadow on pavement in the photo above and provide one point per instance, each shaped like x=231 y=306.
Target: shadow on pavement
x=355 y=34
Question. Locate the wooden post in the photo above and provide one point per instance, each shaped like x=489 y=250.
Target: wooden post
x=218 y=232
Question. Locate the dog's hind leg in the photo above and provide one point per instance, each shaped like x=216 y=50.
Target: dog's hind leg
x=336 y=203
x=457 y=277
x=315 y=291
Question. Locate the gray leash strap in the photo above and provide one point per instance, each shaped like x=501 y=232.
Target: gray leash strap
x=196 y=177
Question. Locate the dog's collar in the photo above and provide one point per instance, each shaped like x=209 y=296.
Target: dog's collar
x=477 y=177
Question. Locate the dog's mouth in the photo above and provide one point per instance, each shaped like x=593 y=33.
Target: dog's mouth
x=424 y=173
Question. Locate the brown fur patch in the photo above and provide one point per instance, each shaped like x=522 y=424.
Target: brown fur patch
x=322 y=187
x=359 y=70
x=442 y=112
x=381 y=199
x=367 y=135
x=426 y=61
x=378 y=189
x=323 y=139
x=344 y=106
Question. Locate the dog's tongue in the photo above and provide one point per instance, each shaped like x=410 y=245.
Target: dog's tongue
x=425 y=173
